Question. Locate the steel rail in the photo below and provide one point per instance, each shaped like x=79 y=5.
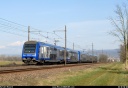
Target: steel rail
x=42 y=68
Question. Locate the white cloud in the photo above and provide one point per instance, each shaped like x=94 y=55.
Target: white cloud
x=1 y=47
x=17 y=43
x=6 y=48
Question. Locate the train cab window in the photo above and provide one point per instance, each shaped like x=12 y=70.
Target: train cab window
x=29 y=48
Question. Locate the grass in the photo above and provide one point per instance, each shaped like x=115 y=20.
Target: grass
x=112 y=74
x=108 y=75
x=9 y=62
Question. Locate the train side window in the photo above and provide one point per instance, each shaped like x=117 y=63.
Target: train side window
x=67 y=53
x=55 y=49
x=60 y=52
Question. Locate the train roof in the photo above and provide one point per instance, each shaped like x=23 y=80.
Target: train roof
x=51 y=45
x=54 y=46
x=30 y=42
x=58 y=47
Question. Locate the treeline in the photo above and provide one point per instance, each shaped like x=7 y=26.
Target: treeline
x=122 y=54
x=105 y=59
x=10 y=58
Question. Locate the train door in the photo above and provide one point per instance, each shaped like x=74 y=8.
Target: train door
x=53 y=53
x=58 y=54
x=41 y=52
x=61 y=56
x=44 y=52
x=79 y=56
x=70 y=55
x=76 y=56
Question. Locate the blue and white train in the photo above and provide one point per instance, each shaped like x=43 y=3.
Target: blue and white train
x=40 y=52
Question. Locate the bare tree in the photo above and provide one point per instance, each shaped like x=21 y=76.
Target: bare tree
x=121 y=26
x=122 y=53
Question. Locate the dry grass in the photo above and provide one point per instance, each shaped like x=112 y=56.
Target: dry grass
x=3 y=63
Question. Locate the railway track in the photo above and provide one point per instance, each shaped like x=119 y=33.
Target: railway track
x=32 y=68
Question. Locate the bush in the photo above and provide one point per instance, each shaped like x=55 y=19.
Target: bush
x=103 y=58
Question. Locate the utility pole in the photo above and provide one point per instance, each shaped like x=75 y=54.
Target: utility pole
x=92 y=53
x=28 y=33
x=73 y=45
x=55 y=41
x=65 y=46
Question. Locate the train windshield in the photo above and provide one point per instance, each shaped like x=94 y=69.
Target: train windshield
x=29 y=48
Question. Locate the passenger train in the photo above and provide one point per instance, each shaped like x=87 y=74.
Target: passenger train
x=40 y=52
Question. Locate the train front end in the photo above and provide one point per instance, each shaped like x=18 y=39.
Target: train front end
x=29 y=52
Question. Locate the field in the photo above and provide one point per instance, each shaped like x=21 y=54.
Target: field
x=108 y=74
x=10 y=60
x=3 y=63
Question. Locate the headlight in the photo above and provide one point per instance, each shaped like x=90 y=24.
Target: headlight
x=24 y=54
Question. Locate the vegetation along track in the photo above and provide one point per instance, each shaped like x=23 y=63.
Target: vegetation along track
x=4 y=70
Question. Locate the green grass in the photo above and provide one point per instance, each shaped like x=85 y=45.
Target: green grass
x=109 y=75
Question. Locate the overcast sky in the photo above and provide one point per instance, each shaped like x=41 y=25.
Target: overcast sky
x=86 y=21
